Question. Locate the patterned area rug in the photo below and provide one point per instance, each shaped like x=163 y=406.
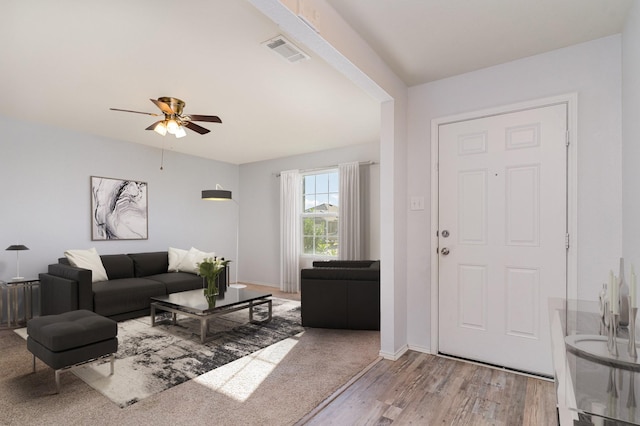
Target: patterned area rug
x=151 y=360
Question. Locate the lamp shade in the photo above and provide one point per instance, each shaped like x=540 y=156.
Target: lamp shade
x=17 y=247
x=216 y=194
x=180 y=132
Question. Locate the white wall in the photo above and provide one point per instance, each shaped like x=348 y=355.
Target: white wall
x=260 y=208
x=631 y=138
x=593 y=70
x=44 y=176
x=44 y=180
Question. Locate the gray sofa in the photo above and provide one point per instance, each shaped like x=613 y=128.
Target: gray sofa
x=133 y=279
x=341 y=294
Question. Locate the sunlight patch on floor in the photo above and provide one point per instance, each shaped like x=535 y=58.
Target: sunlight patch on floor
x=240 y=378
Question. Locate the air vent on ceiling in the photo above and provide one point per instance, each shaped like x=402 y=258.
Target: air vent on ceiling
x=287 y=50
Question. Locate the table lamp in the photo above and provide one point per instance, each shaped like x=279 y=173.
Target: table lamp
x=17 y=248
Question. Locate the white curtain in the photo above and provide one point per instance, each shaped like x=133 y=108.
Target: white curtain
x=290 y=210
x=349 y=211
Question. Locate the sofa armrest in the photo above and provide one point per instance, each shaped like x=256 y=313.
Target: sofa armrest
x=57 y=295
x=345 y=263
x=66 y=288
x=363 y=305
x=323 y=303
x=346 y=274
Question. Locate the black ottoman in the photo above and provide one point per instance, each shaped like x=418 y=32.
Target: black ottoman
x=66 y=340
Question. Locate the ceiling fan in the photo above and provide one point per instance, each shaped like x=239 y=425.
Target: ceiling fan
x=174 y=120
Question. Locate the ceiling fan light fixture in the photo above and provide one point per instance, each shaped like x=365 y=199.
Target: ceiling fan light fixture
x=180 y=133
x=174 y=121
x=160 y=128
x=172 y=126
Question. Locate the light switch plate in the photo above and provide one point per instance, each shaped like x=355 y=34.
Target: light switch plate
x=417 y=203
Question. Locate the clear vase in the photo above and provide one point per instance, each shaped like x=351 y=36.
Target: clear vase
x=211 y=298
x=211 y=291
x=604 y=303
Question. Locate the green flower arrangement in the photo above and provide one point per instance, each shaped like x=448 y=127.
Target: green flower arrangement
x=210 y=268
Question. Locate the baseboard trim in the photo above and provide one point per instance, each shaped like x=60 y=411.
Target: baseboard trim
x=420 y=349
x=258 y=283
x=396 y=355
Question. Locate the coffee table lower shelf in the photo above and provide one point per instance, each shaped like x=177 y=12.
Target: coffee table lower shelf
x=205 y=317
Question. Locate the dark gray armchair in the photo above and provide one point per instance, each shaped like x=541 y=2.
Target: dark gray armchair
x=341 y=294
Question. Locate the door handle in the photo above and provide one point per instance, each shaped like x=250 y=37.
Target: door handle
x=444 y=251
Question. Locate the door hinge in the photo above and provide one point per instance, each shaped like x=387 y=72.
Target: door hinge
x=566 y=241
x=567 y=139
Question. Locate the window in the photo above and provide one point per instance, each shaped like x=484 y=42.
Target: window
x=320 y=213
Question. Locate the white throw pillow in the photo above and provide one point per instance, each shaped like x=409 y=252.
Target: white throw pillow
x=88 y=259
x=190 y=262
x=175 y=257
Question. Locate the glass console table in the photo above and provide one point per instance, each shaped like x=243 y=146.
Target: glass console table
x=591 y=390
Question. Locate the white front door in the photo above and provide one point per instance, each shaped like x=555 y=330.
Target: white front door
x=502 y=235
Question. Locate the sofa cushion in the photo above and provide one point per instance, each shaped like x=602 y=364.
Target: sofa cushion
x=117 y=266
x=146 y=264
x=124 y=295
x=178 y=281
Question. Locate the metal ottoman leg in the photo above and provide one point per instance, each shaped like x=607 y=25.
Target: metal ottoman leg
x=58 y=381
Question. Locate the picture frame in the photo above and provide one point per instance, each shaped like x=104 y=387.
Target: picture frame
x=118 y=209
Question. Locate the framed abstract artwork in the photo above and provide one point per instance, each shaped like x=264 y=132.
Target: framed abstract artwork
x=118 y=209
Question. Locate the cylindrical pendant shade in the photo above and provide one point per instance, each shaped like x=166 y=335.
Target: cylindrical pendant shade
x=216 y=194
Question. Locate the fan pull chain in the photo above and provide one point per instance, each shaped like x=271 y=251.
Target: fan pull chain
x=162 y=157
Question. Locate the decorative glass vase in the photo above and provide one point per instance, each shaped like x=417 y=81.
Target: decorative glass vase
x=604 y=304
x=211 y=298
x=211 y=290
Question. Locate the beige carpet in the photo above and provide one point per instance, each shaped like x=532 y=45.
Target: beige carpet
x=277 y=386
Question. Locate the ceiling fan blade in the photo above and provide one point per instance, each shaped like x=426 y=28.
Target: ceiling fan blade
x=153 y=126
x=163 y=106
x=137 y=112
x=196 y=128
x=209 y=118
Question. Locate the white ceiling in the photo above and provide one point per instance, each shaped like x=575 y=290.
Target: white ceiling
x=65 y=63
x=427 y=40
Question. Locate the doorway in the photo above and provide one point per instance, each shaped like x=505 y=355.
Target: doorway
x=503 y=233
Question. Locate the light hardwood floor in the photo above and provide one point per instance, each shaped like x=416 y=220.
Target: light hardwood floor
x=423 y=389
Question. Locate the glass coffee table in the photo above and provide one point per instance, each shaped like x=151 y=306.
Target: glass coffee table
x=193 y=304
